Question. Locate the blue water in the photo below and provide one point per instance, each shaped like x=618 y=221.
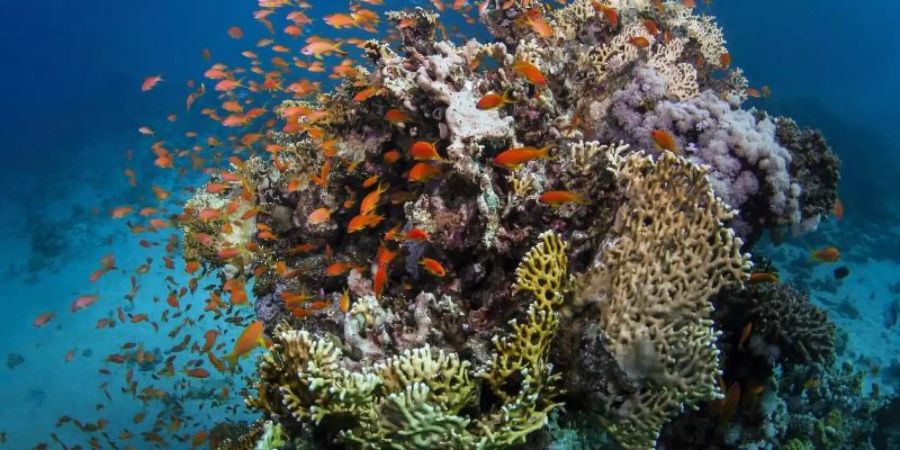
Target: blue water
x=71 y=108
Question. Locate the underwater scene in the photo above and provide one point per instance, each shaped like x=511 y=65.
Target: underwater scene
x=450 y=224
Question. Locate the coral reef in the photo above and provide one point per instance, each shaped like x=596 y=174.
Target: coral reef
x=434 y=272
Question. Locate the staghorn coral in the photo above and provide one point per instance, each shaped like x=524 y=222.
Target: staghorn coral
x=666 y=255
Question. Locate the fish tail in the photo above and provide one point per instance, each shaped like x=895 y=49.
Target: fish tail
x=507 y=98
x=544 y=152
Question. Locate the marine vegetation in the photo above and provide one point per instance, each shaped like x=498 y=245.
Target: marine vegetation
x=460 y=243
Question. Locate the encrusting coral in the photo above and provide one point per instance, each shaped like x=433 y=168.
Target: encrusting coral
x=396 y=224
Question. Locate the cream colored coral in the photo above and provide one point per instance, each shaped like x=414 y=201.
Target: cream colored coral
x=702 y=29
x=681 y=78
x=609 y=59
x=666 y=254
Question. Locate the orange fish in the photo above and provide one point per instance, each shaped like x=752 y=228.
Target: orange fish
x=493 y=100
x=235 y=32
x=370 y=201
x=612 y=16
x=838 y=209
x=532 y=18
x=514 y=158
x=424 y=151
x=197 y=372
x=416 y=234
x=319 y=216
x=394 y=115
x=363 y=221
x=556 y=198
x=150 y=82
x=827 y=254
x=725 y=60
x=42 y=319
x=651 y=26
x=250 y=338
x=639 y=42
x=433 y=267
x=664 y=140
x=344 y=302
x=319 y=47
x=121 y=211
x=422 y=172
x=745 y=333
x=365 y=94
x=338 y=269
x=84 y=301
x=530 y=72
x=763 y=277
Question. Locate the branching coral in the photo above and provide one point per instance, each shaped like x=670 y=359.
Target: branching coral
x=415 y=400
x=666 y=254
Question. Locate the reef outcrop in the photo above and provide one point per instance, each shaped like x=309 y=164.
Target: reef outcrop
x=433 y=270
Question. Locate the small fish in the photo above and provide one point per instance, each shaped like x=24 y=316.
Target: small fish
x=391 y=156
x=249 y=339
x=639 y=42
x=745 y=333
x=827 y=254
x=422 y=172
x=197 y=372
x=651 y=26
x=612 y=16
x=83 y=302
x=531 y=73
x=664 y=140
x=344 y=302
x=424 y=151
x=556 y=198
x=514 y=158
x=763 y=277
x=725 y=60
x=394 y=115
x=235 y=32
x=366 y=94
x=121 y=211
x=319 y=216
x=841 y=272
x=812 y=383
x=321 y=47
x=150 y=82
x=838 y=210
x=493 y=100
x=42 y=319
x=416 y=234
x=433 y=267
x=533 y=18
x=370 y=201
x=338 y=269
x=363 y=221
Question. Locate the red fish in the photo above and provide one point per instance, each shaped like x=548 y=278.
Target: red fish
x=514 y=158
x=433 y=267
x=84 y=301
x=42 y=319
x=664 y=140
x=639 y=42
x=493 y=100
x=838 y=210
x=827 y=254
x=363 y=221
x=531 y=73
x=424 y=151
x=422 y=172
x=150 y=82
x=763 y=277
x=562 y=197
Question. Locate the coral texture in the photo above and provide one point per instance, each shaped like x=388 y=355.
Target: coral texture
x=666 y=255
